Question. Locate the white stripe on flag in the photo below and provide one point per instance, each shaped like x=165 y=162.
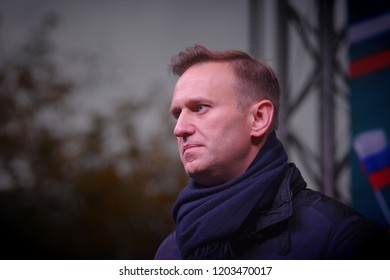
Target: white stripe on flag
x=369 y=28
x=370 y=142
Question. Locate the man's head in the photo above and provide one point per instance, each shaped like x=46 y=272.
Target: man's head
x=225 y=104
x=254 y=79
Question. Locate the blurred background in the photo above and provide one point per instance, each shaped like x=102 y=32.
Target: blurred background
x=88 y=162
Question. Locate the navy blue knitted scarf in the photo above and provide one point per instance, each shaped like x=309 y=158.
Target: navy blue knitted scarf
x=209 y=218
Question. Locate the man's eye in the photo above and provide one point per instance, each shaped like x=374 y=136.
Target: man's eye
x=201 y=107
x=176 y=115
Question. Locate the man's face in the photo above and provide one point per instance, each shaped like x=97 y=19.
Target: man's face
x=214 y=136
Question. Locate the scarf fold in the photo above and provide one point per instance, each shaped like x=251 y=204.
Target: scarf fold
x=208 y=218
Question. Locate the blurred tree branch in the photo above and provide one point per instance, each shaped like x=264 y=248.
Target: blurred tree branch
x=56 y=202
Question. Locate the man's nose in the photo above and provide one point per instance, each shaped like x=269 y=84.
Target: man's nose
x=184 y=126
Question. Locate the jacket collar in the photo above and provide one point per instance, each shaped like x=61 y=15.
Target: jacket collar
x=282 y=208
x=274 y=221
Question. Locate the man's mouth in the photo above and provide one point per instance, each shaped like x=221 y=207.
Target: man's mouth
x=189 y=146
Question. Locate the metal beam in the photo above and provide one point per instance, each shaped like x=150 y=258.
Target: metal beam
x=327 y=103
x=321 y=44
x=255 y=27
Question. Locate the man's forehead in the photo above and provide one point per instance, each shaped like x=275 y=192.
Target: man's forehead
x=206 y=73
x=200 y=84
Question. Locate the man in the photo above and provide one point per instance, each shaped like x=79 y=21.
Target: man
x=244 y=200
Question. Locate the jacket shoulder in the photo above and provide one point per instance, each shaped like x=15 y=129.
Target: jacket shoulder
x=329 y=208
x=348 y=235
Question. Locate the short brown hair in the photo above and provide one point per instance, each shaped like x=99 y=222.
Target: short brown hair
x=256 y=80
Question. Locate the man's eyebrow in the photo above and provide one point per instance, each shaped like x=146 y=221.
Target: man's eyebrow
x=191 y=102
x=198 y=100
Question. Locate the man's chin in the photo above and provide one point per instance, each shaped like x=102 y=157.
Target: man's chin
x=204 y=178
x=198 y=175
x=193 y=174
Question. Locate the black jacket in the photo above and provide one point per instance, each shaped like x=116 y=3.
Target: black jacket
x=303 y=224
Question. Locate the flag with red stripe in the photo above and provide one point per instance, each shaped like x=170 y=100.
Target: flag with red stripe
x=374 y=154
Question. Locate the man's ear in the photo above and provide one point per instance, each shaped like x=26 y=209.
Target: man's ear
x=262 y=114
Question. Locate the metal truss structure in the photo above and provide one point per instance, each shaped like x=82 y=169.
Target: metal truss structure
x=314 y=113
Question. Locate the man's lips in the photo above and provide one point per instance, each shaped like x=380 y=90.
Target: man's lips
x=189 y=146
